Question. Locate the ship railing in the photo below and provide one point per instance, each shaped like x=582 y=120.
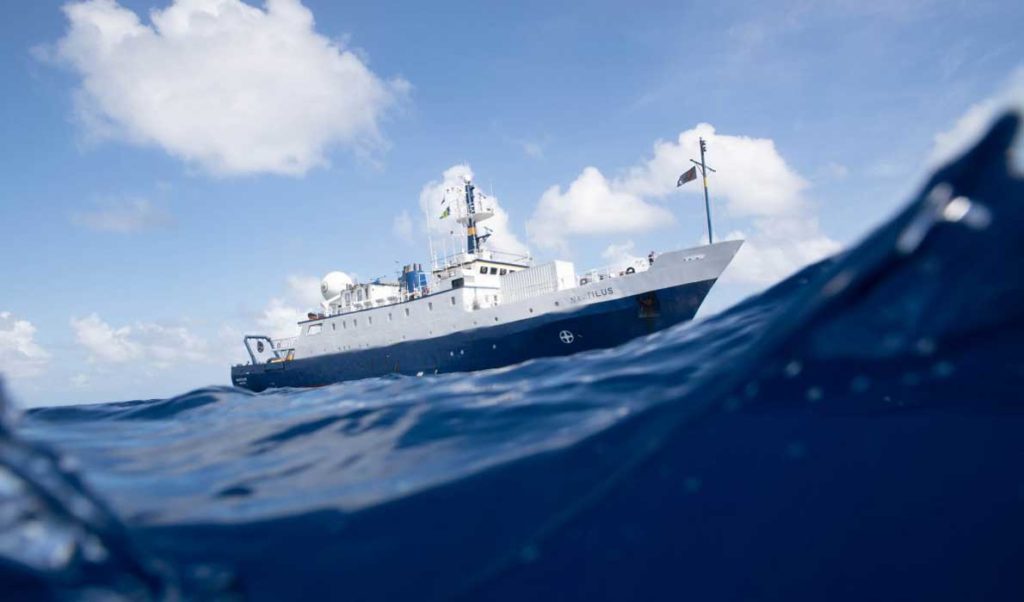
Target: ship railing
x=265 y=350
x=617 y=270
x=443 y=262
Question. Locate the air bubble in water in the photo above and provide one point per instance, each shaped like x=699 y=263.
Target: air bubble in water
x=815 y=394
x=793 y=369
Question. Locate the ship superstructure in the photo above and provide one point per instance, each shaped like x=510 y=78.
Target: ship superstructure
x=479 y=308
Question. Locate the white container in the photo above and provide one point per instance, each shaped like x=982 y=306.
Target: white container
x=537 y=280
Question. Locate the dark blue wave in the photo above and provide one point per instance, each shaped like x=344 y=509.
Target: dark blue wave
x=855 y=432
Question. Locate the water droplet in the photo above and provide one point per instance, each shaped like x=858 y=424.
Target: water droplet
x=962 y=209
x=93 y=550
x=925 y=346
x=793 y=368
x=838 y=283
x=815 y=394
x=956 y=209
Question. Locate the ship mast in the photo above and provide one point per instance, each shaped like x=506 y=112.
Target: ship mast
x=472 y=240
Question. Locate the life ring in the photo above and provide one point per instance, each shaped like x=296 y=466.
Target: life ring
x=630 y=270
x=583 y=281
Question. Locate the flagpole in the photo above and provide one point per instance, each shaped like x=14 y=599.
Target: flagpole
x=704 y=169
x=707 y=202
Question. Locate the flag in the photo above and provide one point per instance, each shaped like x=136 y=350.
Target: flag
x=447 y=212
x=688 y=176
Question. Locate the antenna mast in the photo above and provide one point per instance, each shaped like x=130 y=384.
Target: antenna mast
x=704 y=168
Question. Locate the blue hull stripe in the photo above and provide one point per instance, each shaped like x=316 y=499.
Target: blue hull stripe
x=595 y=326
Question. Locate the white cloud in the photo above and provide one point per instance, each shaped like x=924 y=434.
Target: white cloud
x=591 y=205
x=221 y=84
x=837 y=171
x=402 y=226
x=776 y=247
x=752 y=176
x=20 y=355
x=281 y=315
x=972 y=124
x=123 y=216
x=534 y=150
x=145 y=342
x=621 y=256
x=753 y=180
x=431 y=204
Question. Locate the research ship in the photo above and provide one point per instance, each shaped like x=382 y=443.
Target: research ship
x=479 y=308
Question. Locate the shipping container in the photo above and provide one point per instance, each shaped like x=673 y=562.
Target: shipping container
x=538 y=280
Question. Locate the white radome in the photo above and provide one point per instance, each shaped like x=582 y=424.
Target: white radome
x=333 y=284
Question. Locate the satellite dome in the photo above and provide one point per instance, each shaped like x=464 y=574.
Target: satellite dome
x=333 y=283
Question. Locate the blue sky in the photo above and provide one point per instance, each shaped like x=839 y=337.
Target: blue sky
x=173 y=179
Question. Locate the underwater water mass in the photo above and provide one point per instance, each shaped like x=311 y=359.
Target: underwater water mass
x=855 y=432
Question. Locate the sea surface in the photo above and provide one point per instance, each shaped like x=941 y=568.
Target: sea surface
x=854 y=433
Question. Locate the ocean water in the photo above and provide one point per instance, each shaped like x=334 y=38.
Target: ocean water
x=856 y=432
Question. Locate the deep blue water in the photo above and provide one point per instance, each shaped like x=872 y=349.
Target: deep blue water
x=856 y=432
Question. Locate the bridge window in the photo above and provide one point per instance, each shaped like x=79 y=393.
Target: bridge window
x=453 y=300
x=406 y=312
x=369 y=319
x=503 y=271
x=483 y=269
x=389 y=317
x=430 y=306
x=334 y=326
x=494 y=271
x=314 y=329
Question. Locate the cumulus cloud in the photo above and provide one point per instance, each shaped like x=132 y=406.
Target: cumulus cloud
x=402 y=226
x=753 y=180
x=621 y=256
x=776 y=247
x=591 y=205
x=972 y=124
x=223 y=85
x=146 y=342
x=752 y=177
x=281 y=315
x=20 y=355
x=123 y=216
x=432 y=205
